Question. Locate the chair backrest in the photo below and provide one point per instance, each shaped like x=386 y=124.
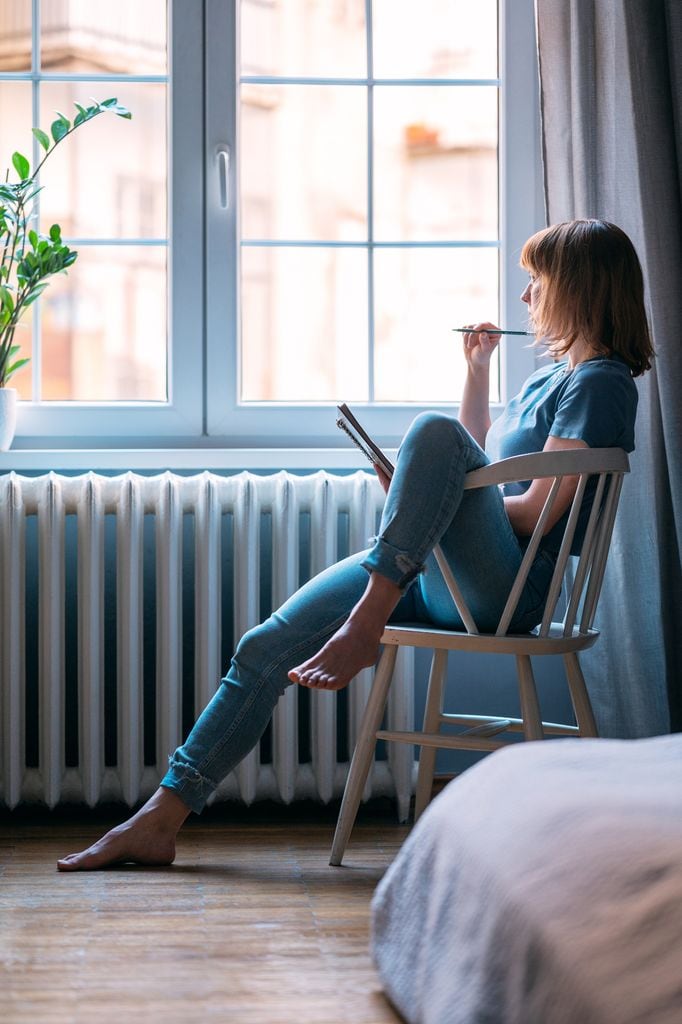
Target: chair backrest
x=608 y=465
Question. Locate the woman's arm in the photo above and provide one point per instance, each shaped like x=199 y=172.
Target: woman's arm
x=474 y=411
x=524 y=509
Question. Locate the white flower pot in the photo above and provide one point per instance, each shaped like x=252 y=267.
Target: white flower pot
x=8 y=417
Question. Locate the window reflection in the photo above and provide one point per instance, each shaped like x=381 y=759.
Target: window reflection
x=435 y=163
x=108 y=180
x=304 y=324
x=15 y=35
x=305 y=176
x=304 y=161
x=420 y=295
x=103 y=327
x=126 y=37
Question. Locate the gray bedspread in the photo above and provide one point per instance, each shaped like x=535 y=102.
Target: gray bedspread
x=544 y=886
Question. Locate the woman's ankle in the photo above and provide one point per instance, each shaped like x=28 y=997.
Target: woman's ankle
x=166 y=808
x=374 y=608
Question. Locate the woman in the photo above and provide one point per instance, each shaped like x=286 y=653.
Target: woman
x=585 y=298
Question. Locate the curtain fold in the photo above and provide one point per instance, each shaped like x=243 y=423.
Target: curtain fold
x=611 y=104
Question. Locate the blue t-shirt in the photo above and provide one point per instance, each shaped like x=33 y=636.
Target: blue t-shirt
x=596 y=403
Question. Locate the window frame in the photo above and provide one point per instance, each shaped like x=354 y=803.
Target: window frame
x=293 y=425
x=203 y=373
x=70 y=424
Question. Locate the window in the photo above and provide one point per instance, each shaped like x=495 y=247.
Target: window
x=102 y=339
x=299 y=215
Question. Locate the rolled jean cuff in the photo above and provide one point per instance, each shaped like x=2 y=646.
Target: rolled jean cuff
x=192 y=787
x=393 y=563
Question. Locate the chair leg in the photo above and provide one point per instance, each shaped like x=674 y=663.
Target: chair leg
x=530 y=707
x=363 y=754
x=432 y=713
x=584 y=715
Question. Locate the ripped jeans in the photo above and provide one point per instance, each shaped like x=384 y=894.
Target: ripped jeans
x=426 y=503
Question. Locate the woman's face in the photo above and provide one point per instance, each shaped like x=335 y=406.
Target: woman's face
x=531 y=294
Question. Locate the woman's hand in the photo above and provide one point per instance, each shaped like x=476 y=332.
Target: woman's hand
x=384 y=480
x=479 y=347
x=474 y=413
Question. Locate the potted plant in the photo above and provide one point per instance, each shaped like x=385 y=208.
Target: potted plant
x=29 y=259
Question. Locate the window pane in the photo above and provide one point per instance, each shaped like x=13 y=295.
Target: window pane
x=15 y=119
x=15 y=36
x=108 y=179
x=435 y=39
x=304 y=324
x=104 y=327
x=421 y=294
x=304 y=162
x=435 y=170
x=15 y=124
x=126 y=37
x=296 y=37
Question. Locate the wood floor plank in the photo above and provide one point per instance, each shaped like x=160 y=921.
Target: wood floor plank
x=250 y=925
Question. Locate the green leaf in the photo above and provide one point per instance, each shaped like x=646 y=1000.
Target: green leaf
x=35 y=293
x=6 y=298
x=16 y=366
x=113 y=102
x=59 y=128
x=80 y=108
x=42 y=137
x=33 y=238
x=79 y=118
x=21 y=165
x=56 y=233
x=32 y=194
x=122 y=111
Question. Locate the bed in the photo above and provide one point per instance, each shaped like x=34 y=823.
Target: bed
x=543 y=886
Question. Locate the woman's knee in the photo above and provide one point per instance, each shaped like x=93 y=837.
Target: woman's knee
x=436 y=429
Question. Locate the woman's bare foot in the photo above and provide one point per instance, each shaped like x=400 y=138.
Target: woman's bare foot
x=146 y=838
x=351 y=649
x=356 y=644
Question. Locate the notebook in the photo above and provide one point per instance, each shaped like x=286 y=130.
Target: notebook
x=348 y=423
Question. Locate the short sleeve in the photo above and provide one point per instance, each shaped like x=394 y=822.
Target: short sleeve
x=598 y=405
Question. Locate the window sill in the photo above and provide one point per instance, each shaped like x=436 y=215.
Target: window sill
x=183 y=459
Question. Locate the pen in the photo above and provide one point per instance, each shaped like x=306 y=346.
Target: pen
x=468 y=330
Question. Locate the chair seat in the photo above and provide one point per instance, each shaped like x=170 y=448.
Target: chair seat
x=511 y=643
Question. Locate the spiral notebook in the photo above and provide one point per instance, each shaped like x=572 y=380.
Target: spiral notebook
x=348 y=423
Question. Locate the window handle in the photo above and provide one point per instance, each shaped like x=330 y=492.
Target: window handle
x=223 y=158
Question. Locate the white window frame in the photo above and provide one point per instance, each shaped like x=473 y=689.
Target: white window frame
x=291 y=425
x=88 y=424
x=203 y=409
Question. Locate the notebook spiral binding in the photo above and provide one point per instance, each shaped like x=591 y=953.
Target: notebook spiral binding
x=342 y=424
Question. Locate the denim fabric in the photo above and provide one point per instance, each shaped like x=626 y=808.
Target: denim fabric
x=426 y=504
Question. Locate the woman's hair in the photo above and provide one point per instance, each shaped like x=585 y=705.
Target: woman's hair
x=591 y=287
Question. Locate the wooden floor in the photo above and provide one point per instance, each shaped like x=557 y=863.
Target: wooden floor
x=249 y=925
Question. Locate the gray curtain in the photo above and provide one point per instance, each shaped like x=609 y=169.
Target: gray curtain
x=611 y=98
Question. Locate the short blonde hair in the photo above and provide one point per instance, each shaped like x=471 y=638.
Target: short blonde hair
x=591 y=288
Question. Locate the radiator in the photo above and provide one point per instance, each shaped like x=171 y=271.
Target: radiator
x=95 y=570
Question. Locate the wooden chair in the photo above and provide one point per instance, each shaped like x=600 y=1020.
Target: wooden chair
x=567 y=637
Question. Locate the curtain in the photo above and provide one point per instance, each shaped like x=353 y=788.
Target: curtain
x=611 y=98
